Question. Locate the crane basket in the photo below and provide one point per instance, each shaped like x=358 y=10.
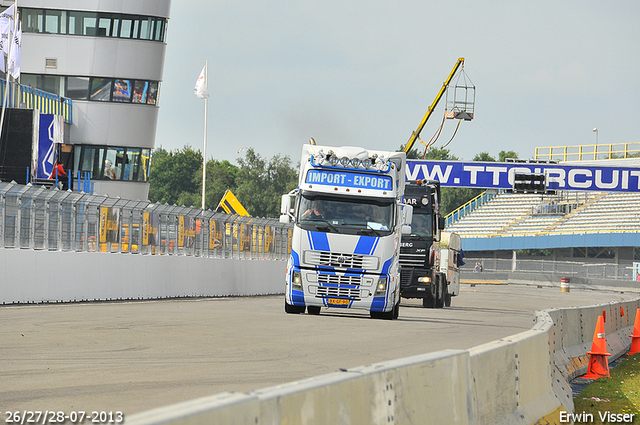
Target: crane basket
x=461 y=98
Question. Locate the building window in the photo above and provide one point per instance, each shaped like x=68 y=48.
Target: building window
x=55 y=22
x=146 y=28
x=159 y=35
x=53 y=84
x=108 y=25
x=76 y=22
x=112 y=163
x=140 y=92
x=78 y=88
x=101 y=89
x=152 y=97
x=122 y=91
x=82 y=23
x=88 y=161
x=95 y=88
x=132 y=165
x=127 y=27
x=32 y=20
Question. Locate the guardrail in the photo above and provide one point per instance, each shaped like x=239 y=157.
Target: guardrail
x=521 y=379
x=20 y=96
x=467 y=208
x=588 y=152
x=34 y=217
x=573 y=269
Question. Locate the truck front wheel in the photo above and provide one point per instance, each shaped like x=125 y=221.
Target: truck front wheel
x=293 y=309
x=441 y=291
x=429 y=301
x=313 y=309
x=387 y=315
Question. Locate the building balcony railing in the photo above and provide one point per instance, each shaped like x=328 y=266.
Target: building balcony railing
x=26 y=97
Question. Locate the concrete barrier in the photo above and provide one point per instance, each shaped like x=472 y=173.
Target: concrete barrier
x=28 y=276
x=522 y=379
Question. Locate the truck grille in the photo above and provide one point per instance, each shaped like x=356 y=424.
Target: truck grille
x=331 y=291
x=406 y=276
x=339 y=260
x=339 y=280
x=412 y=260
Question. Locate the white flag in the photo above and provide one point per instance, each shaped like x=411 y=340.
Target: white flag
x=14 y=54
x=200 y=89
x=6 y=28
x=8 y=13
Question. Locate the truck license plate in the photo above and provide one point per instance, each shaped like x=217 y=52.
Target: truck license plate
x=338 y=301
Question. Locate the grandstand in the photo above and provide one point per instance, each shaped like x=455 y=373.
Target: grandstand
x=509 y=214
x=599 y=232
x=575 y=226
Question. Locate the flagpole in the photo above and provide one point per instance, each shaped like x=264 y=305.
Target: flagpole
x=204 y=151
x=6 y=67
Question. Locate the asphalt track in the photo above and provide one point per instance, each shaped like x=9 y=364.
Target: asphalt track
x=134 y=356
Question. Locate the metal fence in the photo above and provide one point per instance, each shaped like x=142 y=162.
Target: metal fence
x=35 y=217
x=565 y=268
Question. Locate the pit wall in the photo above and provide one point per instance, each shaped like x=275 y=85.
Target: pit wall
x=522 y=379
x=29 y=276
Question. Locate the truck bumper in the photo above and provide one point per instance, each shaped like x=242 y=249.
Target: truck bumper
x=411 y=288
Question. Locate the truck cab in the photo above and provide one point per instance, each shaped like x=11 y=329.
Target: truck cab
x=421 y=261
x=348 y=217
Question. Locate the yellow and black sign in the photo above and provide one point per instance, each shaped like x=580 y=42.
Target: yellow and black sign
x=149 y=228
x=215 y=235
x=245 y=237
x=269 y=238
x=230 y=204
x=186 y=231
x=109 y=219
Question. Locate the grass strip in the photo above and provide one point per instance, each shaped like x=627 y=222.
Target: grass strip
x=608 y=400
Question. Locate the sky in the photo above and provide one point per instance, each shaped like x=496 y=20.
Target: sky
x=363 y=73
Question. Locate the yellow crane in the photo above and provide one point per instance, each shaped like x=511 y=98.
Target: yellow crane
x=456 y=113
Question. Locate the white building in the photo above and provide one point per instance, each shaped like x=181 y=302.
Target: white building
x=108 y=57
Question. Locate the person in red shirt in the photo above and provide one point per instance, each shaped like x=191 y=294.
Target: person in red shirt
x=58 y=170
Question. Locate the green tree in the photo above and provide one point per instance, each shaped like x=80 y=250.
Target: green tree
x=172 y=175
x=502 y=156
x=442 y=154
x=221 y=175
x=484 y=156
x=412 y=154
x=261 y=184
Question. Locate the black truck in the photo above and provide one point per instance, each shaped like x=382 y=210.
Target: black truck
x=429 y=257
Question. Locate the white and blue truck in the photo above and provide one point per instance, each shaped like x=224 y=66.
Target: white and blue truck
x=348 y=219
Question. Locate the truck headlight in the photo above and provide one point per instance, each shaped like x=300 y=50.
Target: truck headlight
x=296 y=280
x=424 y=279
x=381 y=288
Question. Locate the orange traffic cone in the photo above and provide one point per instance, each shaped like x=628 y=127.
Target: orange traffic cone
x=598 y=364
x=635 y=338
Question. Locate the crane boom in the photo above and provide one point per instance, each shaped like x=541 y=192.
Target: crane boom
x=416 y=133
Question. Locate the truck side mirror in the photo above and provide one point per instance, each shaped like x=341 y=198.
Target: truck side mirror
x=285 y=204
x=285 y=209
x=441 y=222
x=407 y=218
x=407 y=214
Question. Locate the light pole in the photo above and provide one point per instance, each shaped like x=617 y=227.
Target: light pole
x=595 y=130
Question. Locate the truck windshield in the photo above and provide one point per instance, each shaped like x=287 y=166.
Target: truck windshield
x=421 y=225
x=346 y=215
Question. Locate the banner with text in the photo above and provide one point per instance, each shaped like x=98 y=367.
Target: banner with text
x=500 y=175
